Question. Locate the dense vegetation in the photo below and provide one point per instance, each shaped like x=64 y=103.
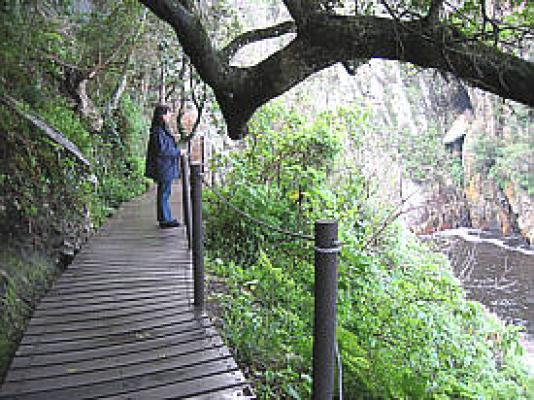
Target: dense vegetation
x=507 y=157
x=51 y=202
x=405 y=329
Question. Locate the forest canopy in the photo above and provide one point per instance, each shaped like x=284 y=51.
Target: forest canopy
x=472 y=40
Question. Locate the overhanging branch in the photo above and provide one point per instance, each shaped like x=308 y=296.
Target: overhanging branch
x=193 y=38
x=435 y=8
x=255 y=36
x=324 y=39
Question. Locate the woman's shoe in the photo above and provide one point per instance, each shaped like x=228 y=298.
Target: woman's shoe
x=169 y=224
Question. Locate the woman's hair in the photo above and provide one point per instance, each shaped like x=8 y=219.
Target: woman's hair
x=159 y=112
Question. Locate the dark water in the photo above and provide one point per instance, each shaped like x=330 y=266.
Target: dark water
x=497 y=271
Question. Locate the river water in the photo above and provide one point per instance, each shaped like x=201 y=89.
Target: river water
x=497 y=271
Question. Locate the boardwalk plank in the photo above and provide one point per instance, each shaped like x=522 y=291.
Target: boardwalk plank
x=55 y=299
x=120 y=324
x=116 y=368
x=200 y=386
x=50 y=360
x=108 y=313
x=112 y=287
x=127 y=387
x=96 y=276
x=73 y=294
x=117 y=298
x=104 y=328
x=81 y=309
x=115 y=277
x=71 y=348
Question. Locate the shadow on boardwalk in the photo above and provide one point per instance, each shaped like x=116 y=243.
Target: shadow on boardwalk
x=119 y=323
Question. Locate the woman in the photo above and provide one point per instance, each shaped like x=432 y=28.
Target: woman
x=162 y=163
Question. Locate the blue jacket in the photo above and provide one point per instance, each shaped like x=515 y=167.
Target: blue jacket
x=162 y=156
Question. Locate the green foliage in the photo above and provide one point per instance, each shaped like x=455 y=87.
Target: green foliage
x=132 y=126
x=425 y=158
x=39 y=171
x=267 y=181
x=24 y=34
x=48 y=198
x=36 y=173
x=59 y=114
x=502 y=26
x=507 y=160
x=267 y=319
x=423 y=340
x=530 y=388
x=119 y=161
x=456 y=171
x=405 y=330
x=23 y=279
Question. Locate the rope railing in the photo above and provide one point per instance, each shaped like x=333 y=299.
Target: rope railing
x=327 y=247
x=296 y=235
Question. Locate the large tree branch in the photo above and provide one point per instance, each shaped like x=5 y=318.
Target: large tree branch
x=435 y=8
x=370 y=37
x=301 y=10
x=254 y=36
x=193 y=38
x=326 y=39
x=430 y=46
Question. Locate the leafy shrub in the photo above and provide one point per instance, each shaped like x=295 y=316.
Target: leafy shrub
x=405 y=329
x=266 y=180
x=37 y=172
x=48 y=196
x=505 y=160
x=23 y=279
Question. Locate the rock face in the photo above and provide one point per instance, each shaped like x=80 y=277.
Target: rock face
x=504 y=207
x=442 y=208
x=523 y=206
x=54 y=234
x=482 y=202
x=490 y=209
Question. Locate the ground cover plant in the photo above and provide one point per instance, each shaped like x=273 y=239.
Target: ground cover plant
x=50 y=201
x=23 y=279
x=404 y=329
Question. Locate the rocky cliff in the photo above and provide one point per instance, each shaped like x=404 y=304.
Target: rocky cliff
x=497 y=157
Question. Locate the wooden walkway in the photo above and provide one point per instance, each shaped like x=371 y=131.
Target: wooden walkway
x=119 y=323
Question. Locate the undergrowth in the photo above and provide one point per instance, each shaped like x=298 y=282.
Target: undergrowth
x=25 y=277
x=51 y=201
x=404 y=327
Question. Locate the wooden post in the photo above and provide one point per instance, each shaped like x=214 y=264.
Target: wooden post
x=324 y=333
x=186 y=199
x=198 y=236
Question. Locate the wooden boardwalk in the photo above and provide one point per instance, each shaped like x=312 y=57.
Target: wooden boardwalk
x=119 y=323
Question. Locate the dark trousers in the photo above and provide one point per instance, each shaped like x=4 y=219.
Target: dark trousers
x=163 y=203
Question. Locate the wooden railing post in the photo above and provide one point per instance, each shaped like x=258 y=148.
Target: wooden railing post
x=198 y=235
x=186 y=198
x=324 y=339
